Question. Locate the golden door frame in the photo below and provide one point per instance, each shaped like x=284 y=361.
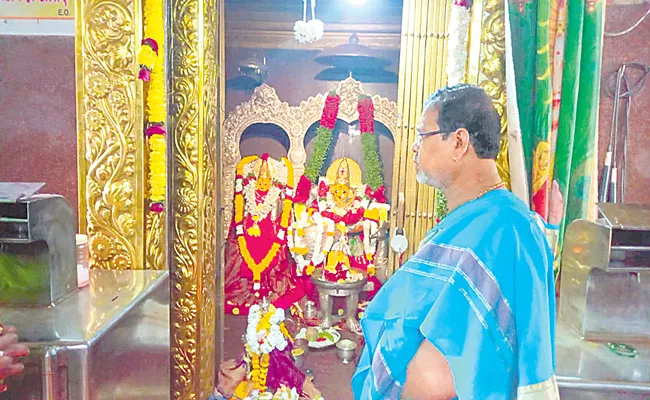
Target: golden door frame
x=112 y=155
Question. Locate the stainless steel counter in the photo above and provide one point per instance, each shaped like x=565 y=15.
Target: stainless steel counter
x=591 y=371
x=109 y=340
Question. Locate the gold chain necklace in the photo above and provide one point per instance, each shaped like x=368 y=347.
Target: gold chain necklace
x=493 y=187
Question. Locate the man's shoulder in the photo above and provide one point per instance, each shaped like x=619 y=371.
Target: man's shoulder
x=507 y=210
x=507 y=228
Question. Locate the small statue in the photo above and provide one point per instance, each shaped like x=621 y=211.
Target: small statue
x=257 y=262
x=267 y=369
x=341 y=220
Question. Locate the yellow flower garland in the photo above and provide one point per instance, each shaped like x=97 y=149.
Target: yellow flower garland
x=157 y=168
x=151 y=59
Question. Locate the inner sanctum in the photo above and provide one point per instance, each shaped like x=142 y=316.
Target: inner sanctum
x=202 y=198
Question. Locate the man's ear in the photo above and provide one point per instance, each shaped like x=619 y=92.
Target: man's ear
x=461 y=137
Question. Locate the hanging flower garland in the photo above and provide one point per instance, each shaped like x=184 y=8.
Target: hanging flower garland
x=460 y=19
x=281 y=237
x=308 y=31
x=264 y=334
x=373 y=176
x=323 y=137
x=152 y=70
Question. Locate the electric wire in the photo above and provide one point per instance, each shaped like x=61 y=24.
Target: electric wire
x=630 y=29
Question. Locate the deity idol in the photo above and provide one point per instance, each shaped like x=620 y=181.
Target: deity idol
x=341 y=225
x=256 y=260
x=271 y=372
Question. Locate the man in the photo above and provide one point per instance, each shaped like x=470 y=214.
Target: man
x=471 y=314
x=10 y=349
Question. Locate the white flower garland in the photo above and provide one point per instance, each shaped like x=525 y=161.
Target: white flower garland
x=273 y=195
x=369 y=239
x=263 y=342
x=296 y=241
x=283 y=393
x=269 y=203
x=308 y=31
x=460 y=19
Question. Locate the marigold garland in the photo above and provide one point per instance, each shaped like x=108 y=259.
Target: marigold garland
x=157 y=166
x=323 y=138
x=152 y=70
x=280 y=238
x=257 y=268
x=373 y=169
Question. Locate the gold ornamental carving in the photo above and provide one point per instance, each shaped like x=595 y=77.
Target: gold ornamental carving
x=155 y=241
x=265 y=107
x=109 y=124
x=194 y=94
x=492 y=72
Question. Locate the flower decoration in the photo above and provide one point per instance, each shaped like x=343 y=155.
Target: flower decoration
x=283 y=393
x=380 y=194
x=303 y=190
x=298 y=246
x=337 y=267
x=308 y=31
x=152 y=70
x=373 y=174
x=263 y=335
x=323 y=138
x=460 y=19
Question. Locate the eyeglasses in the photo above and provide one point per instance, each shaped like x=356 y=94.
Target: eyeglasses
x=422 y=135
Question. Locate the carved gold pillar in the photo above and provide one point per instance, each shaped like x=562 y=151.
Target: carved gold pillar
x=423 y=56
x=220 y=290
x=486 y=64
x=109 y=125
x=194 y=168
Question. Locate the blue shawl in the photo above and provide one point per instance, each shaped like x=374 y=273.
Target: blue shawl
x=481 y=290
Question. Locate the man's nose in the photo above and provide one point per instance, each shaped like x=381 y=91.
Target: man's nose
x=415 y=147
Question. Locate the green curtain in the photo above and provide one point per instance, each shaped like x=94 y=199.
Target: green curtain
x=523 y=25
x=576 y=155
x=572 y=154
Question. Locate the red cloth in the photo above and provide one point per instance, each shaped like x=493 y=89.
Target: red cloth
x=540 y=201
